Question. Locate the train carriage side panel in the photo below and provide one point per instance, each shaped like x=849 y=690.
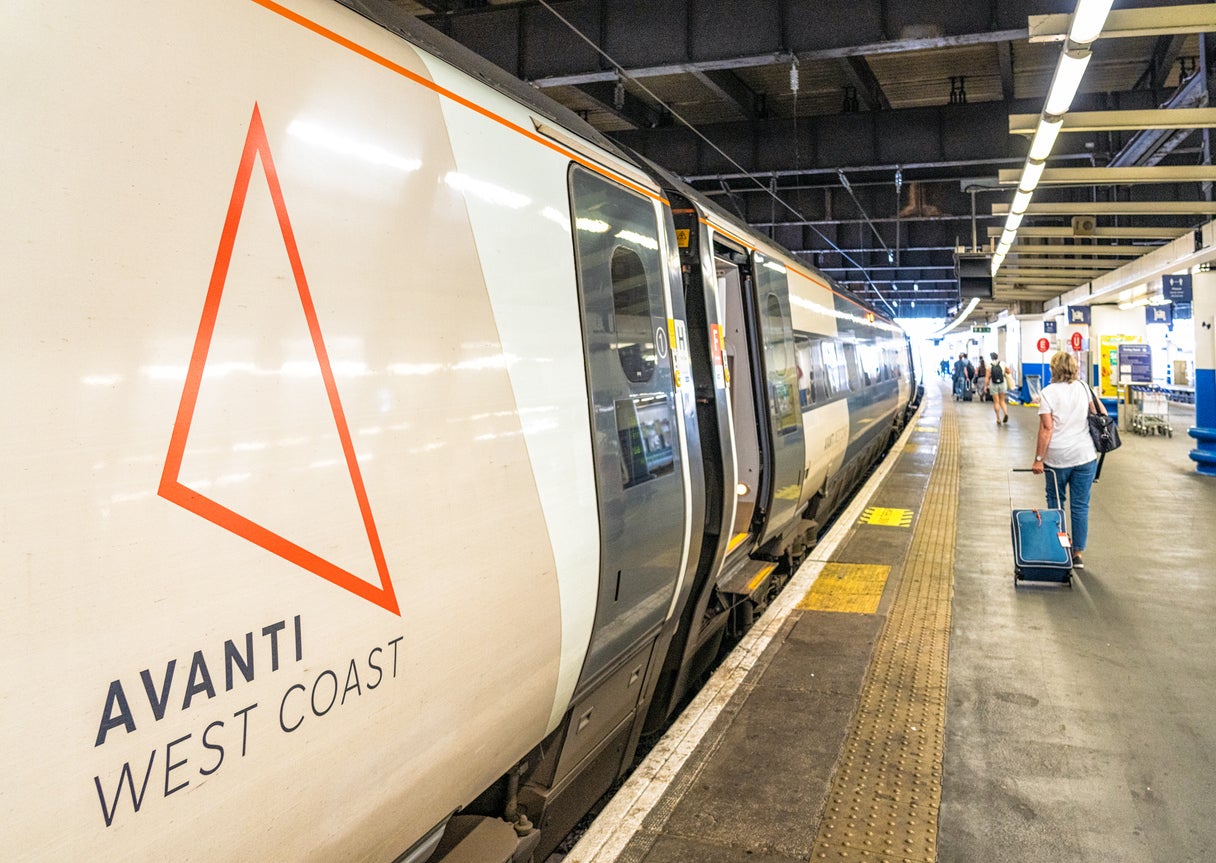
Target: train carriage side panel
x=874 y=399
x=825 y=415
x=269 y=399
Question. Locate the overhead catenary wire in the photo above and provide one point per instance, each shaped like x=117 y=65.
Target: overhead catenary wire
x=625 y=76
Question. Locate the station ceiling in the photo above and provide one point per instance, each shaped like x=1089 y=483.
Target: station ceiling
x=876 y=128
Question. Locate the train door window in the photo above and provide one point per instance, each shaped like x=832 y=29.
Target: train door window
x=780 y=366
x=633 y=316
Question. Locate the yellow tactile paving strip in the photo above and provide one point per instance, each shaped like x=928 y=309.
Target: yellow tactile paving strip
x=847 y=587
x=884 y=799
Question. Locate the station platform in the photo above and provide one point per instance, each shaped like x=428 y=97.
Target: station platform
x=903 y=700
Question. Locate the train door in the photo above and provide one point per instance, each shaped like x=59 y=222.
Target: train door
x=778 y=380
x=635 y=439
x=733 y=286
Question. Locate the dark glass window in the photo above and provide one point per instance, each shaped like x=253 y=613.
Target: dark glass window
x=633 y=314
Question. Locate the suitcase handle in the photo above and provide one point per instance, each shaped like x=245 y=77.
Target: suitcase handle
x=1054 y=481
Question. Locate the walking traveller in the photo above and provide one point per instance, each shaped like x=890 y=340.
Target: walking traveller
x=1065 y=448
x=998 y=388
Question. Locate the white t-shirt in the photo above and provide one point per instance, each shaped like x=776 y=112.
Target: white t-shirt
x=1068 y=405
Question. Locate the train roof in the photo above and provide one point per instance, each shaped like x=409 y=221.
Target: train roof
x=670 y=180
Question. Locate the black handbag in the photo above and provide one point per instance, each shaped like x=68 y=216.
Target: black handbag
x=1102 y=427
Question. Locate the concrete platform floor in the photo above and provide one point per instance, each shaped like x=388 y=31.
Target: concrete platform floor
x=1081 y=723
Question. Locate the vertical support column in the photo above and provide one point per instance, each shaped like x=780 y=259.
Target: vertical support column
x=1204 y=432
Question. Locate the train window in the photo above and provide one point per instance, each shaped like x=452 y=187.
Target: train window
x=851 y=365
x=871 y=364
x=833 y=366
x=805 y=351
x=632 y=313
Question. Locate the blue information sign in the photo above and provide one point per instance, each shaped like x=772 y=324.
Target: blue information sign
x=1158 y=314
x=1078 y=314
x=1135 y=364
x=1049 y=326
x=1177 y=288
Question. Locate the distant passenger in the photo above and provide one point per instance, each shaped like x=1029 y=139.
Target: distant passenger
x=998 y=386
x=981 y=377
x=964 y=372
x=1065 y=448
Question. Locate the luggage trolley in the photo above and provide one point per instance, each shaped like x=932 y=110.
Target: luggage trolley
x=1041 y=550
x=1150 y=411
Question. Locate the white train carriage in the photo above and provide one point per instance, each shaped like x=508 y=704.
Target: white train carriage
x=363 y=467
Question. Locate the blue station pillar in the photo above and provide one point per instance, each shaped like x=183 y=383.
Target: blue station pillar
x=1204 y=432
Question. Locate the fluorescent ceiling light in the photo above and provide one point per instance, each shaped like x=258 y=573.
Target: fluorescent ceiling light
x=1020 y=202
x=1088 y=20
x=1031 y=175
x=997 y=260
x=1007 y=235
x=975 y=301
x=1067 y=79
x=1045 y=138
x=1012 y=222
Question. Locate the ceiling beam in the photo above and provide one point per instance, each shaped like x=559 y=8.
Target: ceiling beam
x=857 y=72
x=1120 y=121
x=1039 y=282
x=894 y=46
x=1004 y=57
x=1031 y=272
x=1165 y=52
x=1121 y=23
x=1115 y=176
x=449 y=7
x=1106 y=233
x=730 y=88
x=635 y=111
x=1024 y=259
x=676 y=38
x=1073 y=250
x=1116 y=208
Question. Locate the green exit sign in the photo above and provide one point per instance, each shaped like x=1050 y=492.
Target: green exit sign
x=981 y=329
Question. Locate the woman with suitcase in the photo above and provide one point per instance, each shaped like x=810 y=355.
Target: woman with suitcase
x=1065 y=448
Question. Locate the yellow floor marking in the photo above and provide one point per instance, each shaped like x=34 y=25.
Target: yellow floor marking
x=764 y=573
x=925 y=428
x=734 y=542
x=847 y=587
x=889 y=517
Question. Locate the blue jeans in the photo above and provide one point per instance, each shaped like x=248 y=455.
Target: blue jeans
x=1077 y=480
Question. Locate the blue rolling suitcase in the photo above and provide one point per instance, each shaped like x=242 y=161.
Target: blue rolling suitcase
x=1038 y=552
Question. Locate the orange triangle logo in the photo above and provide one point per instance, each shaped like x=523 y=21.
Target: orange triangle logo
x=172 y=489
